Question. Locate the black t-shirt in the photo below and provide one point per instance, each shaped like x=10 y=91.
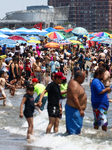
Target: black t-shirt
x=54 y=94
x=29 y=104
x=61 y=66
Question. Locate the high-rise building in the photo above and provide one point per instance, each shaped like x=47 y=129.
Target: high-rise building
x=93 y=15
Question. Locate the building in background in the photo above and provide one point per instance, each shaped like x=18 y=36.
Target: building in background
x=48 y=15
x=93 y=15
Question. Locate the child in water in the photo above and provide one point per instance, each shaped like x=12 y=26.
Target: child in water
x=28 y=100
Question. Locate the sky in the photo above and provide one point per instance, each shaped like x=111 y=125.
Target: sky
x=15 y=5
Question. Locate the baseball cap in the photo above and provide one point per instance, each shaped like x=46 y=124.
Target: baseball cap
x=35 y=80
x=59 y=75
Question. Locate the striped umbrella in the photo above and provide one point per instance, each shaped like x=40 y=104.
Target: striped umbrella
x=56 y=35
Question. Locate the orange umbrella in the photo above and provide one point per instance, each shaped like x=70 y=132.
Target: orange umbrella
x=52 y=45
x=58 y=27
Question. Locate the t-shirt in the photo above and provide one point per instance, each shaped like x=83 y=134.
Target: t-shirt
x=54 y=94
x=53 y=65
x=29 y=104
x=39 y=88
x=98 y=100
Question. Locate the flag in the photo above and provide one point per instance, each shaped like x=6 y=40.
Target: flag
x=38 y=26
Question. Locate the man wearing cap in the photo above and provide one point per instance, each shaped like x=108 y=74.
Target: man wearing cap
x=54 y=96
x=76 y=103
x=39 y=88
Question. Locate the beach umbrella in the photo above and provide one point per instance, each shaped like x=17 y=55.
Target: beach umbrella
x=6 y=31
x=72 y=38
x=107 y=41
x=75 y=42
x=34 y=38
x=55 y=35
x=52 y=45
x=105 y=34
x=21 y=30
x=65 y=42
x=59 y=27
x=68 y=30
x=80 y=31
x=16 y=38
x=34 y=41
x=50 y=30
x=8 y=42
x=21 y=41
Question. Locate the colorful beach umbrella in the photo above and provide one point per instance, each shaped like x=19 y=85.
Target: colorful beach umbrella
x=56 y=35
x=52 y=45
x=100 y=34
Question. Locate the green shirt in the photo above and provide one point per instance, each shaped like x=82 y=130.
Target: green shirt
x=63 y=87
x=39 y=88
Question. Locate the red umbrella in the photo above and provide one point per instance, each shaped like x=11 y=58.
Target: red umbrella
x=68 y=30
x=16 y=38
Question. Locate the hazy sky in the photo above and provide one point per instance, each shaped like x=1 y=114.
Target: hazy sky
x=15 y=5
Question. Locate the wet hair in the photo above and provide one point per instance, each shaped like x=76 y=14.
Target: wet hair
x=1 y=72
x=30 y=87
x=78 y=73
x=99 y=71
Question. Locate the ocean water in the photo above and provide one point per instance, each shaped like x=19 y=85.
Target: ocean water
x=13 y=129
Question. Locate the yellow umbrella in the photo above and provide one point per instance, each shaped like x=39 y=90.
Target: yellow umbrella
x=33 y=41
x=75 y=42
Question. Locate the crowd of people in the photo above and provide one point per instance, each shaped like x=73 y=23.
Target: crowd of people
x=45 y=70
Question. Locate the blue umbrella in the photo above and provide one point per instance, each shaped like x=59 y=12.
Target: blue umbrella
x=8 y=42
x=80 y=31
x=22 y=30
x=50 y=29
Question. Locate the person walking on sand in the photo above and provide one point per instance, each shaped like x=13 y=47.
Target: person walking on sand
x=76 y=103
x=54 y=95
x=28 y=100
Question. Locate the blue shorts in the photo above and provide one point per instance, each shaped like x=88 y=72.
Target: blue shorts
x=74 y=121
x=100 y=117
x=43 y=101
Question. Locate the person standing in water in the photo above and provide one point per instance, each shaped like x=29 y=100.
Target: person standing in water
x=54 y=95
x=99 y=100
x=76 y=103
x=28 y=100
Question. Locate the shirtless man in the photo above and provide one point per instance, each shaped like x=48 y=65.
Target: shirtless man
x=76 y=103
x=37 y=69
x=107 y=78
x=102 y=56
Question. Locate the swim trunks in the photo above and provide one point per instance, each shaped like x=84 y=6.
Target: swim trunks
x=43 y=101
x=53 y=111
x=74 y=120
x=100 y=117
